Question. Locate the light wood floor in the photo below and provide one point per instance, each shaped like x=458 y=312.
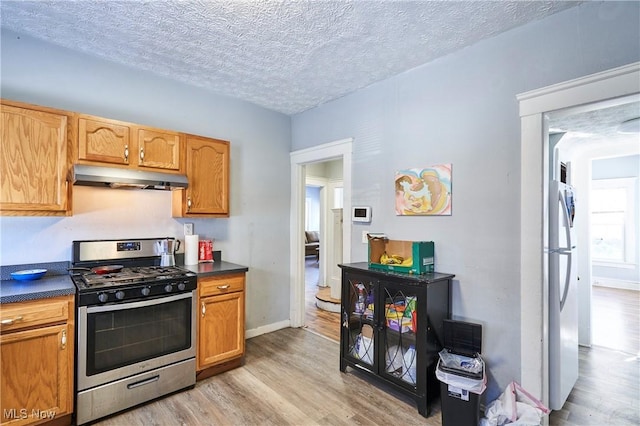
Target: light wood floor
x=608 y=389
x=292 y=377
x=317 y=320
x=616 y=340
x=616 y=319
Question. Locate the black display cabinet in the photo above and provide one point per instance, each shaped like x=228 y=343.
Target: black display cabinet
x=392 y=327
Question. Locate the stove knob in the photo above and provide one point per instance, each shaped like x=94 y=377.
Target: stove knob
x=146 y=291
x=181 y=286
x=103 y=297
x=168 y=288
x=120 y=295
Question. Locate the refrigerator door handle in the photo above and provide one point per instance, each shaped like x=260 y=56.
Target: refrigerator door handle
x=567 y=220
x=566 y=251
x=567 y=278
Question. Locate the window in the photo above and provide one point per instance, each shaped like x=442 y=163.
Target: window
x=612 y=221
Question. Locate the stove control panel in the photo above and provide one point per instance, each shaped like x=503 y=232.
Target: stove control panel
x=125 y=293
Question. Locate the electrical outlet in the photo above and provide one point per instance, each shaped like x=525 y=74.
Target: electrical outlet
x=365 y=237
x=188 y=229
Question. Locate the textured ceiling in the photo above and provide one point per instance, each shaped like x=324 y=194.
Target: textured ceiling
x=598 y=126
x=288 y=56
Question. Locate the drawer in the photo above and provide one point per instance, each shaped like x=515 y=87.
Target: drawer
x=19 y=315
x=220 y=285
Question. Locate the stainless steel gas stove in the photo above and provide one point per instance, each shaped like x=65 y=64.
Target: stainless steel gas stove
x=136 y=326
x=132 y=283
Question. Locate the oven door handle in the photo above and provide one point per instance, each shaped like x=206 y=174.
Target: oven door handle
x=147 y=302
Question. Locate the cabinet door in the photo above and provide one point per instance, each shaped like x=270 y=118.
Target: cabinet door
x=158 y=149
x=207 y=168
x=36 y=374
x=34 y=162
x=358 y=331
x=221 y=329
x=399 y=345
x=103 y=141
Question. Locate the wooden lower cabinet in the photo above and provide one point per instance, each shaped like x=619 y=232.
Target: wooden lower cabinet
x=221 y=322
x=37 y=350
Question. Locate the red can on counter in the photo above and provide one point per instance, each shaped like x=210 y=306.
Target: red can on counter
x=205 y=251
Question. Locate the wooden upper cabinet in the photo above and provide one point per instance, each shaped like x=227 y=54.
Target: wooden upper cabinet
x=158 y=149
x=103 y=141
x=106 y=142
x=207 y=168
x=35 y=160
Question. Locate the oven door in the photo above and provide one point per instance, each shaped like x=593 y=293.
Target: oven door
x=120 y=340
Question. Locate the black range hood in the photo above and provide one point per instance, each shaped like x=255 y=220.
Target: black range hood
x=112 y=177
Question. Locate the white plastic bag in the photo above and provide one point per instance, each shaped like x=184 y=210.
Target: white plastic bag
x=364 y=348
x=515 y=407
x=476 y=386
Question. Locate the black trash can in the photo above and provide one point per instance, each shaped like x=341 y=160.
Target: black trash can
x=461 y=373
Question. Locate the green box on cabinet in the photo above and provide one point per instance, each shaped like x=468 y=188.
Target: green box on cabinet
x=418 y=256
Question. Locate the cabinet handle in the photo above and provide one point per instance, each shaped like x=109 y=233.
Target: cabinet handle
x=223 y=287
x=126 y=153
x=141 y=153
x=204 y=309
x=11 y=321
x=63 y=342
x=189 y=203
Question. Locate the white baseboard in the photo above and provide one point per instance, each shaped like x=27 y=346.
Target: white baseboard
x=613 y=283
x=254 y=332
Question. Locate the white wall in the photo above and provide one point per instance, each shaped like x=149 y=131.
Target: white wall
x=462 y=109
x=40 y=73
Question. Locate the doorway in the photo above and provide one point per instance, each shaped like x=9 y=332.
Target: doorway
x=300 y=160
x=601 y=160
x=324 y=199
x=534 y=106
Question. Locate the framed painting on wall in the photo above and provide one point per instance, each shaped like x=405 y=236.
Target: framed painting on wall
x=425 y=191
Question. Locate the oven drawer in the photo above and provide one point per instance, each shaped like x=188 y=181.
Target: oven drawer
x=31 y=313
x=115 y=396
x=222 y=284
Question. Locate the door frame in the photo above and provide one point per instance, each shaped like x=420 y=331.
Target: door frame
x=323 y=184
x=534 y=206
x=340 y=149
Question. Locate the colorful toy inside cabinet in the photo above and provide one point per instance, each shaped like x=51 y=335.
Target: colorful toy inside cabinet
x=410 y=257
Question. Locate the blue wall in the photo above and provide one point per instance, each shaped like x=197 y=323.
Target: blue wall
x=462 y=109
x=616 y=167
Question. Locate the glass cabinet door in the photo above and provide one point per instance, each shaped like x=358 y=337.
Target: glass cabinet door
x=399 y=335
x=358 y=319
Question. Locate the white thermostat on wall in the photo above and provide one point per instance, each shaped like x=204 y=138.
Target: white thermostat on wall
x=361 y=214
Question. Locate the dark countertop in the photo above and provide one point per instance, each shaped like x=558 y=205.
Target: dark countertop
x=416 y=278
x=57 y=282
x=214 y=268
x=48 y=286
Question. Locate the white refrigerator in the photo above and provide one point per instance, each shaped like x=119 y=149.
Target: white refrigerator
x=563 y=294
